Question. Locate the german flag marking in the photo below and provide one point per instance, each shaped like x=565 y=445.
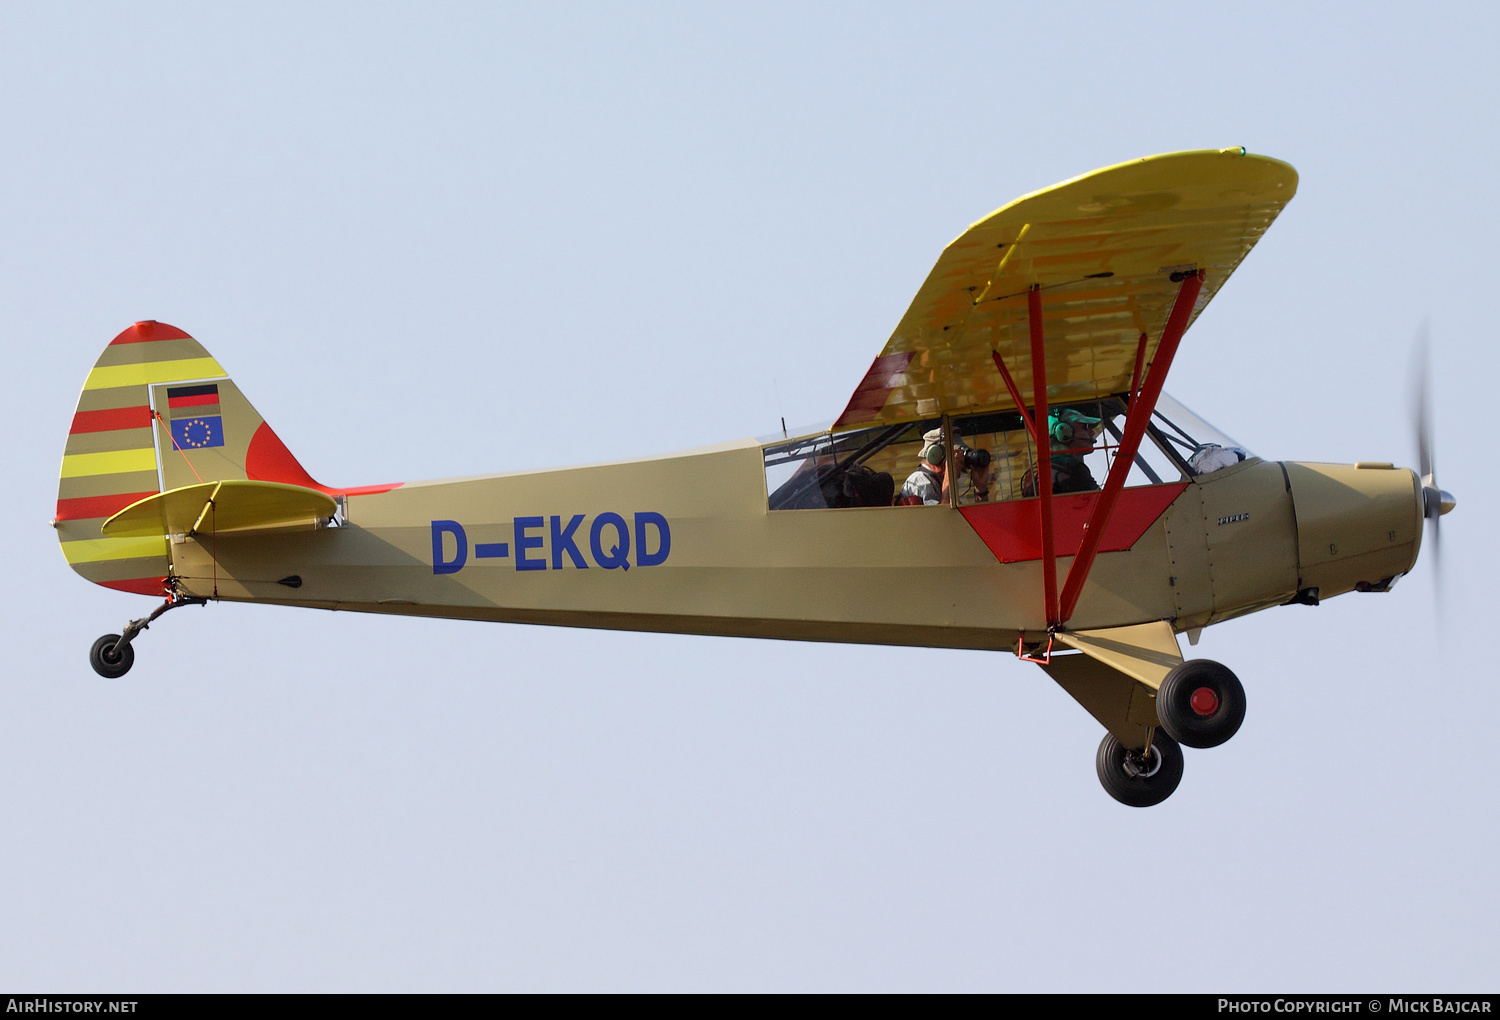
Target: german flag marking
x=151 y=372
x=193 y=402
x=116 y=462
x=192 y=396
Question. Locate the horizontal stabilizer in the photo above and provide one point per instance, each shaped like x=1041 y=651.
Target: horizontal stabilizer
x=217 y=507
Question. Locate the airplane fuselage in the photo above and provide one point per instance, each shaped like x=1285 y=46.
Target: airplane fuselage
x=686 y=544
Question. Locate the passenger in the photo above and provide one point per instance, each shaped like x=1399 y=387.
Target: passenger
x=863 y=486
x=1071 y=434
x=929 y=483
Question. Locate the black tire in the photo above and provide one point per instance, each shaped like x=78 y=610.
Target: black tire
x=109 y=661
x=1135 y=780
x=1218 y=691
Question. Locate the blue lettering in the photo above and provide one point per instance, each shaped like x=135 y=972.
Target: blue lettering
x=619 y=556
x=441 y=565
x=562 y=542
x=642 y=557
x=525 y=541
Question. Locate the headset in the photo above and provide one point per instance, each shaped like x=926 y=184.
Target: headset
x=936 y=454
x=1061 y=431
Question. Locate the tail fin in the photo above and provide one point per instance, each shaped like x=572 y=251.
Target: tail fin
x=157 y=413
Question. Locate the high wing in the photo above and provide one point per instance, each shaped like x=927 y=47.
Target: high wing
x=1107 y=251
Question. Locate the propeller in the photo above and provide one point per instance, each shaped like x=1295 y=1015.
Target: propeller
x=1435 y=501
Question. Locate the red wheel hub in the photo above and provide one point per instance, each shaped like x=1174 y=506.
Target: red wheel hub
x=1204 y=701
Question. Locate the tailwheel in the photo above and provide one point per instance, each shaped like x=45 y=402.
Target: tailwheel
x=1139 y=777
x=110 y=658
x=1201 y=703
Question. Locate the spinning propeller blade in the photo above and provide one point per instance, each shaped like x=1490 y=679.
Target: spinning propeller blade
x=1435 y=501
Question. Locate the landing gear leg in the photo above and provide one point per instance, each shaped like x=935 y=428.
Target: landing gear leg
x=112 y=655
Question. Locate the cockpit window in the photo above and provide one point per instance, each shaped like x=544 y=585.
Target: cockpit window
x=994 y=458
x=833 y=470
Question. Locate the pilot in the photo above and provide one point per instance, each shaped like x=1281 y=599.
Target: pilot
x=929 y=483
x=1072 y=438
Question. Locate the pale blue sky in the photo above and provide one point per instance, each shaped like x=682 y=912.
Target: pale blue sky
x=449 y=239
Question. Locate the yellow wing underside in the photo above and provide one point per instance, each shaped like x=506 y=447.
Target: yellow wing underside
x=1104 y=248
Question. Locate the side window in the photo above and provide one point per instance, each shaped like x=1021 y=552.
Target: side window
x=993 y=458
x=837 y=470
x=1083 y=440
x=1152 y=465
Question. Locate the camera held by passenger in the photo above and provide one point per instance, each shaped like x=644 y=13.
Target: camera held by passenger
x=971 y=460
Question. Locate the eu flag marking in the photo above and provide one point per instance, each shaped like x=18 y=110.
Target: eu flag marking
x=198 y=433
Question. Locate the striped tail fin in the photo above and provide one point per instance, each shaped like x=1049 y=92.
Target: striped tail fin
x=157 y=413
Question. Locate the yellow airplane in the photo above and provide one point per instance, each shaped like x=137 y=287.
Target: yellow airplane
x=924 y=515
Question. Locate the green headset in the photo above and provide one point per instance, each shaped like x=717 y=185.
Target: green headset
x=1060 y=431
x=935 y=454
x=1063 y=431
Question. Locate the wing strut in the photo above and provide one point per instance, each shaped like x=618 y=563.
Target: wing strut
x=1015 y=394
x=1141 y=407
x=1135 y=377
x=1043 y=452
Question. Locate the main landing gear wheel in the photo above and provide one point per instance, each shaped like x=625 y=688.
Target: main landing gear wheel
x=111 y=659
x=1201 y=703
x=1139 y=778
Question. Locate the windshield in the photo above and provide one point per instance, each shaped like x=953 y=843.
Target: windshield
x=1200 y=446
